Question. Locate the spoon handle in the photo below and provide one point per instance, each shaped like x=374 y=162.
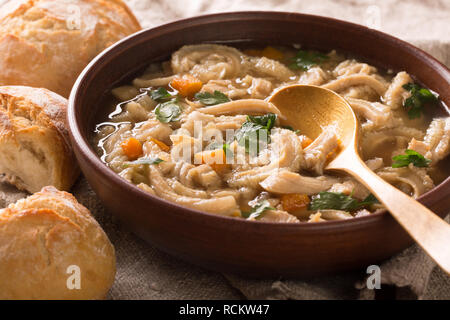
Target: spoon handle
x=427 y=229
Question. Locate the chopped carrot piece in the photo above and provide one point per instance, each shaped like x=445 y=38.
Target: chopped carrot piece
x=132 y=148
x=272 y=53
x=253 y=52
x=161 y=145
x=295 y=203
x=335 y=150
x=217 y=159
x=306 y=142
x=187 y=86
x=236 y=213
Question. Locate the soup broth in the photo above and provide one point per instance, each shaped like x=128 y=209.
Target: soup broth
x=198 y=130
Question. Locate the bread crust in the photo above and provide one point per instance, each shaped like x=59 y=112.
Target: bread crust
x=41 y=237
x=34 y=139
x=39 y=47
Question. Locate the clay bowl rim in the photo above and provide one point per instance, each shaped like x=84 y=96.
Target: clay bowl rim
x=120 y=48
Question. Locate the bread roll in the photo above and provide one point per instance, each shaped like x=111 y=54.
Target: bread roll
x=47 y=43
x=45 y=240
x=34 y=142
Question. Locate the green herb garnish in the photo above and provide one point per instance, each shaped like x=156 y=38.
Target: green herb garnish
x=142 y=161
x=160 y=95
x=267 y=120
x=258 y=210
x=418 y=99
x=410 y=156
x=368 y=201
x=211 y=99
x=339 y=201
x=304 y=60
x=168 y=111
x=253 y=130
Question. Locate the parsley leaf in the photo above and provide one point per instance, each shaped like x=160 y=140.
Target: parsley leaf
x=258 y=210
x=410 y=156
x=211 y=99
x=339 y=201
x=267 y=121
x=304 y=60
x=250 y=135
x=148 y=161
x=168 y=111
x=368 y=201
x=418 y=99
x=160 y=95
x=254 y=133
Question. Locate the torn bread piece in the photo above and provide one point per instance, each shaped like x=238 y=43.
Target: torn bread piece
x=34 y=141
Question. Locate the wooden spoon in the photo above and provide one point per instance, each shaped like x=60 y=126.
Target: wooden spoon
x=309 y=109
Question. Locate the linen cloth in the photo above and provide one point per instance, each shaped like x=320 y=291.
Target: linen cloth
x=144 y=272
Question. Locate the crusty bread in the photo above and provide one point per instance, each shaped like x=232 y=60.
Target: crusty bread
x=41 y=47
x=34 y=142
x=41 y=237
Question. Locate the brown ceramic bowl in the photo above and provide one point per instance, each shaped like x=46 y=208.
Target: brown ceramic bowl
x=229 y=244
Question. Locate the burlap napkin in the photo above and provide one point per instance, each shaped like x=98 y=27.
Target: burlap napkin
x=144 y=272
